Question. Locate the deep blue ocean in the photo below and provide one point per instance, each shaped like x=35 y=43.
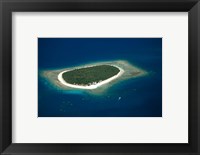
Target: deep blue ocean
x=137 y=97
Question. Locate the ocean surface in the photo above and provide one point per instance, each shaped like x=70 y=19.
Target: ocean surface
x=137 y=97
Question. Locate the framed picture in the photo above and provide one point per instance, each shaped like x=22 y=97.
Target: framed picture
x=99 y=77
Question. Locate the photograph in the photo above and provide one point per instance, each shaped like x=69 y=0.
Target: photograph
x=99 y=77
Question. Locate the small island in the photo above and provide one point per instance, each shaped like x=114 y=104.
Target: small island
x=94 y=77
x=89 y=77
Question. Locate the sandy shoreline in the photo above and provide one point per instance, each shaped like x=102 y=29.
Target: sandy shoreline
x=92 y=86
x=127 y=71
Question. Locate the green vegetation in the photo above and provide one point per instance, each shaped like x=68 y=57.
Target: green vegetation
x=89 y=75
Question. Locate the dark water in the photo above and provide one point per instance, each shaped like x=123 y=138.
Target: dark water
x=140 y=97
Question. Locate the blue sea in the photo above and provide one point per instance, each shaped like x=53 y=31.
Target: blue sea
x=136 y=97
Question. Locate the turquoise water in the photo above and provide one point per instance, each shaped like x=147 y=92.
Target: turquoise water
x=139 y=97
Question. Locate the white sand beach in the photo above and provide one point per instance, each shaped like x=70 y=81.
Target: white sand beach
x=127 y=71
x=92 y=86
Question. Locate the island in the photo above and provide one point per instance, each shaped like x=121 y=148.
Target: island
x=94 y=77
x=89 y=77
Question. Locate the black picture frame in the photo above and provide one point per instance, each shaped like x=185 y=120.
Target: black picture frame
x=9 y=6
